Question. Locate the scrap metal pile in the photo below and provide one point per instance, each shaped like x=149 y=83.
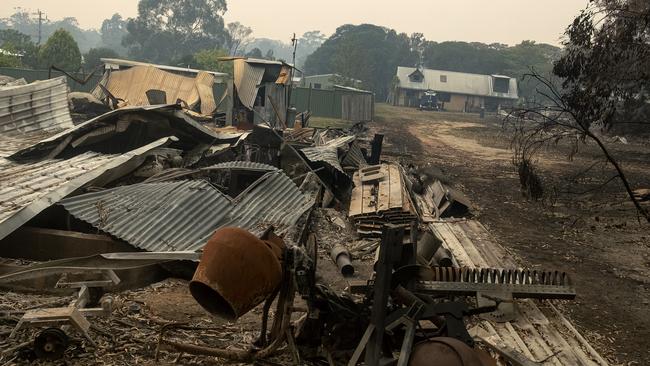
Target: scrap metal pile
x=150 y=191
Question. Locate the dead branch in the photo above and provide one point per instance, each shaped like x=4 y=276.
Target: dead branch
x=538 y=125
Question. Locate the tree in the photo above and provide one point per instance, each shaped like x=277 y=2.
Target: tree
x=167 y=30
x=366 y=52
x=310 y=41
x=475 y=57
x=62 y=51
x=240 y=35
x=269 y=55
x=21 y=44
x=24 y=22
x=254 y=53
x=92 y=59
x=113 y=31
x=9 y=59
x=209 y=60
x=606 y=64
x=605 y=69
x=417 y=43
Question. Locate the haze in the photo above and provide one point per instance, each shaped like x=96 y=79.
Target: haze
x=504 y=21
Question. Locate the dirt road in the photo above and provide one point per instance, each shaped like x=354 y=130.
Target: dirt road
x=593 y=234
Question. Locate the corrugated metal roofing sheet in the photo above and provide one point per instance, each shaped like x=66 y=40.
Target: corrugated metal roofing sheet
x=178 y=121
x=27 y=189
x=113 y=62
x=328 y=152
x=29 y=113
x=456 y=82
x=243 y=165
x=182 y=215
x=132 y=84
x=354 y=157
x=39 y=106
x=247 y=78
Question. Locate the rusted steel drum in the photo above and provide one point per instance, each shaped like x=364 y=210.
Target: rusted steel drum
x=237 y=272
x=444 y=351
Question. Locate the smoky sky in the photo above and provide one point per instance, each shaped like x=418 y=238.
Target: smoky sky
x=503 y=21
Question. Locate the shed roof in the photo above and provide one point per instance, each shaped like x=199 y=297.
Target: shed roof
x=131 y=85
x=456 y=82
x=27 y=189
x=113 y=62
x=32 y=112
x=182 y=215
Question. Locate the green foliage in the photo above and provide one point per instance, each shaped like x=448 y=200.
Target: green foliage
x=254 y=53
x=307 y=44
x=113 y=31
x=25 y=22
x=92 y=59
x=476 y=58
x=209 y=60
x=365 y=52
x=62 y=51
x=9 y=60
x=21 y=44
x=170 y=29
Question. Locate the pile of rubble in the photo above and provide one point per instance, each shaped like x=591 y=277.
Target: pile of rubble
x=256 y=213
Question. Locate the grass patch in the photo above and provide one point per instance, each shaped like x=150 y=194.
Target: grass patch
x=324 y=122
x=386 y=112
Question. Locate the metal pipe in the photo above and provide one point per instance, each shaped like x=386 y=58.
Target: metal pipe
x=442 y=258
x=428 y=245
x=341 y=257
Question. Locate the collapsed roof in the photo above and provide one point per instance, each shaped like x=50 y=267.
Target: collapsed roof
x=123 y=129
x=32 y=112
x=182 y=215
x=28 y=189
x=142 y=84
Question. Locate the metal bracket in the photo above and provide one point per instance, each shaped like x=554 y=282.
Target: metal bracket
x=506 y=308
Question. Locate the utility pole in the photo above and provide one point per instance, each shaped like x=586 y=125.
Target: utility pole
x=40 y=24
x=294 y=43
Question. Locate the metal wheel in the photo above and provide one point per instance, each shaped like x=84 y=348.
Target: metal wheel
x=51 y=344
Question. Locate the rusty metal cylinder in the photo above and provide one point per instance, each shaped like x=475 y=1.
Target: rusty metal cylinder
x=445 y=351
x=442 y=258
x=341 y=256
x=427 y=247
x=237 y=272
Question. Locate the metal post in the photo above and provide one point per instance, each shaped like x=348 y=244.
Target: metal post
x=294 y=43
x=391 y=242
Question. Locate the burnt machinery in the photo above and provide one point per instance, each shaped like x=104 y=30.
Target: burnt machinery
x=402 y=294
x=413 y=310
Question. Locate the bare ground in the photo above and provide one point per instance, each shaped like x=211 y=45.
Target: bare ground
x=595 y=235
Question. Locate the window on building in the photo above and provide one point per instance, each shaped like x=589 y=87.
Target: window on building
x=501 y=85
x=317 y=86
x=416 y=76
x=443 y=78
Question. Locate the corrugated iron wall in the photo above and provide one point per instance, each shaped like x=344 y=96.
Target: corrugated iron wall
x=33 y=75
x=341 y=104
x=324 y=103
x=357 y=107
